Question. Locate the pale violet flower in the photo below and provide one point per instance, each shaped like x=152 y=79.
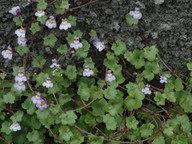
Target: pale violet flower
x=87 y=71
x=15 y=11
x=100 y=46
x=110 y=77
x=20 y=77
x=22 y=41
x=48 y=83
x=136 y=13
x=19 y=86
x=51 y=23
x=20 y=32
x=146 y=90
x=76 y=44
x=15 y=127
x=7 y=54
x=36 y=99
x=42 y=105
x=64 y=25
x=54 y=64
x=163 y=79
x=40 y=13
x=94 y=41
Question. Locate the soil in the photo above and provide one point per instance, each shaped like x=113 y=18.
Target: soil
x=165 y=23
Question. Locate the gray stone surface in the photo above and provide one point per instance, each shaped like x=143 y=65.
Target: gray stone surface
x=165 y=23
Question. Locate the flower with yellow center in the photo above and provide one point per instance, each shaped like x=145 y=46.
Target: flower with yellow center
x=37 y=97
x=15 y=124
x=42 y=103
x=8 y=51
x=76 y=41
x=64 y=22
x=20 y=83
x=39 y=11
x=136 y=12
x=20 y=74
x=165 y=78
x=109 y=74
x=51 y=21
x=22 y=38
x=87 y=69
x=146 y=88
x=48 y=81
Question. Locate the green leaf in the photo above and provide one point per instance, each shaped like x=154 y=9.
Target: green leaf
x=65 y=4
x=35 y=27
x=41 y=4
x=150 y=53
x=28 y=106
x=135 y=58
x=130 y=20
x=22 y=50
x=41 y=78
x=159 y=140
x=119 y=47
x=50 y=40
x=146 y=130
x=17 y=117
x=160 y=98
x=45 y=117
x=78 y=33
x=96 y=139
x=62 y=49
x=110 y=122
x=84 y=91
x=18 y=21
x=68 y=118
x=42 y=19
x=178 y=85
x=65 y=133
x=9 y=98
x=170 y=96
x=72 y=20
x=110 y=92
x=5 y=127
x=34 y=136
x=189 y=66
x=99 y=107
x=16 y=69
x=93 y=33
x=186 y=102
x=131 y=122
x=3 y=75
x=83 y=52
x=71 y=72
x=132 y=103
x=88 y=61
x=180 y=139
x=39 y=61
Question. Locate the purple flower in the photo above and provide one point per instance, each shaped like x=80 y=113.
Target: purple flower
x=109 y=76
x=21 y=40
x=54 y=64
x=42 y=105
x=19 y=86
x=163 y=79
x=15 y=11
x=94 y=41
x=7 y=54
x=48 y=83
x=20 y=77
x=20 y=32
x=136 y=14
x=76 y=44
x=36 y=99
x=40 y=13
x=64 y=25
x=146 y=90
x=100 y=46
x=51 y=23
x=87 y=72
x=15 y=126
